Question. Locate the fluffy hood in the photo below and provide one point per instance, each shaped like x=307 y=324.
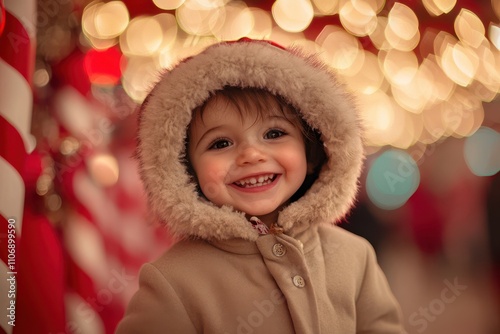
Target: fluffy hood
x=302 y=80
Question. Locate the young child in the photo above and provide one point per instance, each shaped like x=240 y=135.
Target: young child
x=249 y=153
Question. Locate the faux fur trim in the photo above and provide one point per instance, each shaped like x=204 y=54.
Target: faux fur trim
x=303 y=80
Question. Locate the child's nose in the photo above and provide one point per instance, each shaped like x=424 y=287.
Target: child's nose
x=250 y=154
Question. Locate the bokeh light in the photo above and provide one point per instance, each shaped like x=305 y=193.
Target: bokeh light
x=237 y=22
x=169 y=28
x=263 y=24
x=459 y=63
x=399 y=67
x=103 y=22
x=111 y=19
x=103 y=66
x=470 y=113
x=442 y=86
x=469 y=28
x=327 y=7
x=104 y=169
x=358 y=17
x=438 y=7
x=41 y=77
x=342 y=51
x=293 y=15
x=143 y=37
x=487 y=77
x=377 y=113
x=139 y=74
x=401 y=30
x=392 y=179
x=494 y=33
x=88 y=19
x=409 y=96
x=403 y=21
x=369 y=78
x=378 y=37
x=168 y=4
x=198 y=18
x=482 y=152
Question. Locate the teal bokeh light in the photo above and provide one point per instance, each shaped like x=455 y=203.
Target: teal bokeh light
x=482 y=152
x=392 y=179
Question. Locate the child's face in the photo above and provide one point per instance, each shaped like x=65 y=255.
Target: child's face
x=254 y=165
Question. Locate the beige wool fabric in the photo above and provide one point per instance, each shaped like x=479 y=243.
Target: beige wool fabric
x=222 y=277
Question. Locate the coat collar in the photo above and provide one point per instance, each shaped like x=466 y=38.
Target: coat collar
x=308 y=238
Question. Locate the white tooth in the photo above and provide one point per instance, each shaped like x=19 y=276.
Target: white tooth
x=255 y=182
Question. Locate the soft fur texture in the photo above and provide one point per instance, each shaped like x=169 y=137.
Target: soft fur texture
x=303 y=80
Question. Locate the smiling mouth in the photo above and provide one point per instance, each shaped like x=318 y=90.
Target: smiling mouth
x=257 y=181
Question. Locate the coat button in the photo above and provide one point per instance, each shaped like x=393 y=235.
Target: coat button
x=279 y=249
x=298 y=281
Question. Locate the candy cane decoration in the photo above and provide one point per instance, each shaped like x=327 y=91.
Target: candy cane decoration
x=17 y=55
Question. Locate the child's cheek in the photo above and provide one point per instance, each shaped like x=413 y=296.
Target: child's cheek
x=211 y=177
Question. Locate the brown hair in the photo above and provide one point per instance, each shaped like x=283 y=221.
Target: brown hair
x=244 y=99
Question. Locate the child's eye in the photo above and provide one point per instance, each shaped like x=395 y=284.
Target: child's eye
x=274 y=133
x=219 y=144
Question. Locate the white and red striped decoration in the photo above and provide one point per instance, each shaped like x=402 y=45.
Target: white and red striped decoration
x=17 y=55
x=38 y=269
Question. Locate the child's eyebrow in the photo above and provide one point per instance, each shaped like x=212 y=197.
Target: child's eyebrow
x=282 y=117
x=206 y=133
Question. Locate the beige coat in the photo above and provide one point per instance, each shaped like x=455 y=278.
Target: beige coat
x=223 y=277
x=325 y=280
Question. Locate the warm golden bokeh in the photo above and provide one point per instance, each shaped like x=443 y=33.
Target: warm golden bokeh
x=358 y=17
x=168 y=4
x=293 y=15
x=494 y=34
x=236 y=22
x=326 y=7
x=469 y=28
x=417 y=87
x=262 y=24
x=438 y=7
x=402 y=21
